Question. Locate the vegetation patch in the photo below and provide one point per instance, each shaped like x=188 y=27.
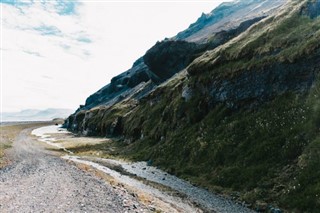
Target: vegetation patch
x=284 y=40
x=267 y=153
x=8 y=133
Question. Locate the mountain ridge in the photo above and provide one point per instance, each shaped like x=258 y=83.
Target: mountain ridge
x=145 y=68
x=219 y=19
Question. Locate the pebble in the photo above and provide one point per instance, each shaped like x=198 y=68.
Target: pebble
x=40 y=182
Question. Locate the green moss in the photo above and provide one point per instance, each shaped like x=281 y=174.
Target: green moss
x=241 y=151
x=284 y=40
x=305 y=190
x=270 y=152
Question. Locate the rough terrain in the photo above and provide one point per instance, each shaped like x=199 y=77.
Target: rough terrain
x=38 y=181
x=241 y=119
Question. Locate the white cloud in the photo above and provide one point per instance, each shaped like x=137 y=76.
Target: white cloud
x=80 y=46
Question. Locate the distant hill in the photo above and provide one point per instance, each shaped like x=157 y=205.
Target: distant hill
x=35 y=115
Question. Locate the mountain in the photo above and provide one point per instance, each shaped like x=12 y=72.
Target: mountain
x=228 y=16
x=35 y=115
x=175 y=54
x=231 y=104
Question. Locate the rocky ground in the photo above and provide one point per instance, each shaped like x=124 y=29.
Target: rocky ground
x=38 y=181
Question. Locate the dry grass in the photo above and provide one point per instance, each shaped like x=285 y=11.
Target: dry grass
x=80 y=145
x=70 y=142
x=8 y=135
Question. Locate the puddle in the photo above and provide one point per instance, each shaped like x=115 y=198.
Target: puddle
x=44 y=134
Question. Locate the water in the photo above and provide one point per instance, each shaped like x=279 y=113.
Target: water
x=44 y=134
x=179 y=204
x=204 y=198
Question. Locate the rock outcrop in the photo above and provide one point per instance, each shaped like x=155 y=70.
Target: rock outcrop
x=311 y=9
x=120 y=85
x=178 y=52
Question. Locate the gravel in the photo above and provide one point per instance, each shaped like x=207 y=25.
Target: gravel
x=209 y=201
x=38 y=181
x=169 y=203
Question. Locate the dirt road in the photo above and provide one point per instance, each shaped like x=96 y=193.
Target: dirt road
x=38 y=181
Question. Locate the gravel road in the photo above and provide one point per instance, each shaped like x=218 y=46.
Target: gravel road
x=38 y=181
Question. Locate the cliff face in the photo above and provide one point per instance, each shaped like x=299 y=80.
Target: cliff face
x=120 y=86
x=236 y=112
x=161 y=62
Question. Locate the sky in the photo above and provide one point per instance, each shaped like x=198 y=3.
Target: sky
x=56 y=53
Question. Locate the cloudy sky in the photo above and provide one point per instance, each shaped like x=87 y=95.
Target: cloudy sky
x=55 y=53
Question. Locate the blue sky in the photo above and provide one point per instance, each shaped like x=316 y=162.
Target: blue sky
x=55 y=53
x=62 y=7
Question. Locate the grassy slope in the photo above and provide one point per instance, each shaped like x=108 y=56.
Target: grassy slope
x=269 y=153
x=284 y=38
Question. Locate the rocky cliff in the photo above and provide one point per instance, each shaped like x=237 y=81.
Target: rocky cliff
x=174 y=54
x=233 y=109
x=228 y=16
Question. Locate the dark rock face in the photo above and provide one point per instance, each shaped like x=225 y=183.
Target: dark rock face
x=116 y=127
x=311 y=9
x=258 y=86
x=166 y=58
x=137 y=74
x=73 y=122
x=161 y=62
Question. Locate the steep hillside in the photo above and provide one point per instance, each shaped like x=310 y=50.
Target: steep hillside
x=228 y=16
x=242 y=119
x=174 y=54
